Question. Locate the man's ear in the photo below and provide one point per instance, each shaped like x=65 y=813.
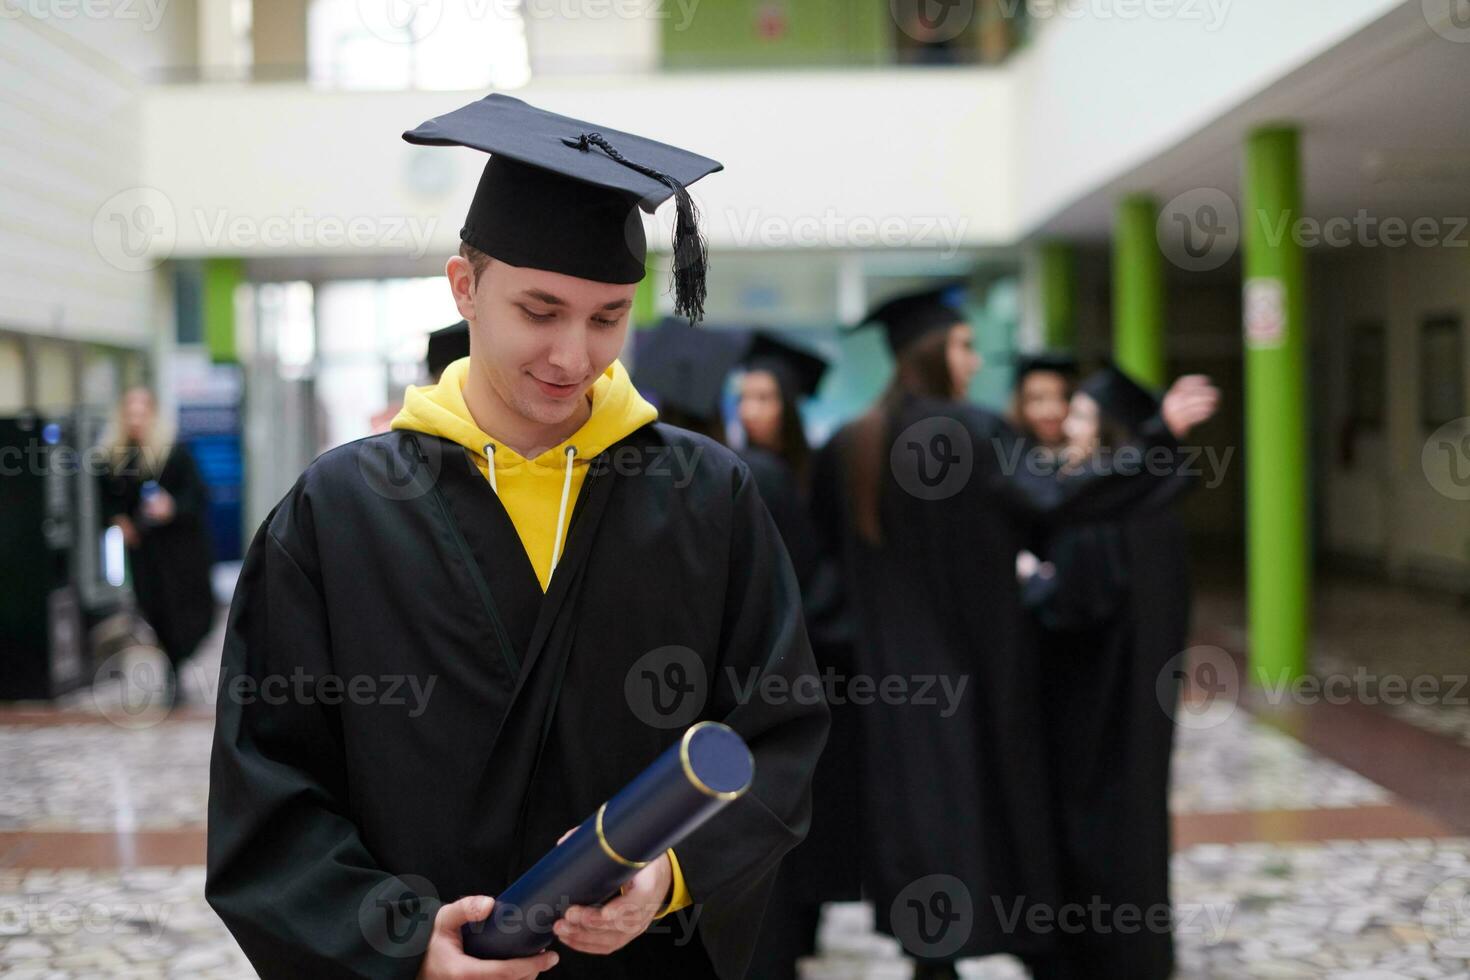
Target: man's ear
x=461 y=276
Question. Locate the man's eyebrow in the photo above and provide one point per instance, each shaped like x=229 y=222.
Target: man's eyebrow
x=617 y=304
x=544 y=297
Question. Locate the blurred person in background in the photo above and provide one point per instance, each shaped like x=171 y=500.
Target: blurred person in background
x=1113 y=612
x=777 y=376
x=683 y=370
x=1040 y=395
x=446 y=345
x=925 y=502
x=153 y=492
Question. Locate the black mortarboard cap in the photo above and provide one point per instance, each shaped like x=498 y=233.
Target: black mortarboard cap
x=684 y=367
x=561 y=194
x=798 y=370
x=447 y=345
x=906 y=318
x=1120 y=398
x=1057 y=362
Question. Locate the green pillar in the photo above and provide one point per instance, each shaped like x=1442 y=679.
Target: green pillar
x=221 y=277
x=1058 y=295
x=1138 y=291
x=1277 y=538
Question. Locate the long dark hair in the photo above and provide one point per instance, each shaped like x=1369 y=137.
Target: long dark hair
x=794 y=450
x=922 y=372
x=1016 y=413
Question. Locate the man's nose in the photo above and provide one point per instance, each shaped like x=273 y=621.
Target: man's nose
x=569 y=352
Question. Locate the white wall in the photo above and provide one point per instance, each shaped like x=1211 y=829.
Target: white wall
x=804 y=155
x=69 y=112
x=1385 y=507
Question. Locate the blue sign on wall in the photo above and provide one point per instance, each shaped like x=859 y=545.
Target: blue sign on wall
x=210 y=424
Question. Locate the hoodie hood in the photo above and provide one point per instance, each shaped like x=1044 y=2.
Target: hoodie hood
x=440 y=410
x=538 y=493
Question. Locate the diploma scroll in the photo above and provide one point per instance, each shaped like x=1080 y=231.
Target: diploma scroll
x=689 y=783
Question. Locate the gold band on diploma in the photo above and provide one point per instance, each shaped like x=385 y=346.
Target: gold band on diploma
x=608 y=848
x=698 y=783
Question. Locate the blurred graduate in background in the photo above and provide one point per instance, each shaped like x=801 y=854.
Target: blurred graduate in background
x=779 y=374
x=1040 y=394
x=924 y=500
x=445 y=346
x=1112 y=600
x=683 y=369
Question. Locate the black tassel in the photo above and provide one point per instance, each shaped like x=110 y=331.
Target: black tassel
x=691 y=255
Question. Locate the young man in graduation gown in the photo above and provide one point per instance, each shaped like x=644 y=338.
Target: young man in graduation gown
x=520 y=596
x=928 y=504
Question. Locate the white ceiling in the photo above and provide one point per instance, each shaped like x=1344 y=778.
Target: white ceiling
x=1385 y=124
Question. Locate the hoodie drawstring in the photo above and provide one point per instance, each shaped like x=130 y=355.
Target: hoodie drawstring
x=490 y=459
x=561 y=515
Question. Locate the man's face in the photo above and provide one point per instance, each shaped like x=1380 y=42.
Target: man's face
x=540 y=338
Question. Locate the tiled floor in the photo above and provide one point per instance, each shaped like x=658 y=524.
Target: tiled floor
x=1400 y=649
x=1355 y=910
x=1312 y=841
x=141 y=922
x=1242 y=765
x=94 y=776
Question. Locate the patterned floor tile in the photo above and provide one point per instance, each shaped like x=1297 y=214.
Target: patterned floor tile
x=1240 y=764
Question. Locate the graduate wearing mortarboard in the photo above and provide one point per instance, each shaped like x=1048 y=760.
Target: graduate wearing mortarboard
x=445 y=346
x=924 y=499
x=487 y=582
x=1041 y=390
x=683 y=369
x=779 y=372
x=1113 y=612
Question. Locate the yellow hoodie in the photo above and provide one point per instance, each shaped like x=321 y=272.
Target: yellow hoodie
x=538 y=493
x=530 y=489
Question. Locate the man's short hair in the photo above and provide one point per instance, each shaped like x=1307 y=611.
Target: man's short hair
x=477 y=259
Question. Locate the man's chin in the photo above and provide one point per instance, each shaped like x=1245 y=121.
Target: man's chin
x=546 y=410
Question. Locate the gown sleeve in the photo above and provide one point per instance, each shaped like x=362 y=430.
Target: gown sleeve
x=1096 y=493
x=731 y=863
x=185 y=483
x=287 y=870
x=1089 y=582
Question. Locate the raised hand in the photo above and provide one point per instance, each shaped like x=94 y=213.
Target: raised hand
x=1190 y=400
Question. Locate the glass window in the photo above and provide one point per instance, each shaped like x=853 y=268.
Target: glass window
x=101 y=378
x=372 y=336
x=285 y=324
x=12 y=375
x=56 y=379
x=400 y=44
x=1441 y=377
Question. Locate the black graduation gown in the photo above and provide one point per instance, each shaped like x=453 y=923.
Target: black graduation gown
x=392 y=558
x=1112 y=616
x=825 y=866
x=171 y=564
x=965 y=795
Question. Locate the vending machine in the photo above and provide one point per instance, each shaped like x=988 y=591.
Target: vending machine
x=42 y=640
